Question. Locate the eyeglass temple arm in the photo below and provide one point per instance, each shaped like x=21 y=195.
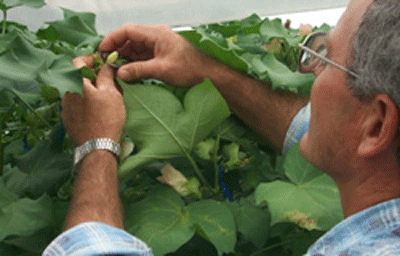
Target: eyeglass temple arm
x=327 y=60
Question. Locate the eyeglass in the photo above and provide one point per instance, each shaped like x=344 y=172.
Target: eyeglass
x=313 y=54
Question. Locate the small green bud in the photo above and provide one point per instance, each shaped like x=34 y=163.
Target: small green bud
x=113 y=57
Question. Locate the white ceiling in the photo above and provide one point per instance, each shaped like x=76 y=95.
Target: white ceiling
x=113 y=13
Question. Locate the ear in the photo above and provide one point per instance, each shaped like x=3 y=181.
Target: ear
x=380 y=126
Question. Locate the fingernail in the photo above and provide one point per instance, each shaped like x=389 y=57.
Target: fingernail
x=123 y=74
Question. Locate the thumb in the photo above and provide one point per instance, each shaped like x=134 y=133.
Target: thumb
x=105 y=77
x=138 y=70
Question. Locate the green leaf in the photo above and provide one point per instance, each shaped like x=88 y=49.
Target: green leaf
x=165 y=224
x=34 y=244
x=252 y=221
x=311 y=200
x=161 y=127
x=62 y=75
x=6 y=196
x=207 y=44
x=88 y=73
x=274 y=29
x=42 y=170
x=251 y=21
x=160 y=220
x=50 y=94
x=8 y=4
x=216 y=223
x=204 y=148
x=77 y=28
x=295 y=239
x=36 y=66
x=6 y=250
x=25 y=58
x=242 y=47
x=22 y=217
x=266 y=67
x=231 y=153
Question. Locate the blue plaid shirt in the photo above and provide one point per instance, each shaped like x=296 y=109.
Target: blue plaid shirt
x=373 y=232
x=93 y=238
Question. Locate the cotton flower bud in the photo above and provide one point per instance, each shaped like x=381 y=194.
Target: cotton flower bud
x=179 y=182
x=127 y=147
x=113 y=57
x=174 y=178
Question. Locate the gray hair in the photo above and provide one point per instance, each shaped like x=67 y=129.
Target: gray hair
x=376 y=53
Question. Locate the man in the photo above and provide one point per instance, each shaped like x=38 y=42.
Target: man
x=353 y=130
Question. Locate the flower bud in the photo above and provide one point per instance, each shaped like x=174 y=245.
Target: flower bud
x=113 y=57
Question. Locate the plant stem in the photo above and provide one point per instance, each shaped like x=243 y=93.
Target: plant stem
x=4 y=22
x=32 y=109
x=1 y=148
x=197 y=170
x=2 y=125
x=215 y=161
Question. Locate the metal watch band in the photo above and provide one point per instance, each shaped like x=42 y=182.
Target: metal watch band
x=96 y=144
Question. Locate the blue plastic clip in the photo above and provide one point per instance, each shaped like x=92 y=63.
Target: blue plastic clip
x=223 y=185
x=25 y=141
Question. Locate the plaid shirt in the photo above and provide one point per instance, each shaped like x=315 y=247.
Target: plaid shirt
x=297 y=128
x=91 y=238
x=374 y=231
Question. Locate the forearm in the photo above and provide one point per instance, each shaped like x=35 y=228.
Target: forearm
x=268 y=112
x=95 y=197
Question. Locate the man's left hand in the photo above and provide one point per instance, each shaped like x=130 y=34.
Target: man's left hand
x=100 y=113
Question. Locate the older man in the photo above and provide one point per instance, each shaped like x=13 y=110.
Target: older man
x=353 y=129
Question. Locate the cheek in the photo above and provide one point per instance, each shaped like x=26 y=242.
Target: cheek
x=322 y=106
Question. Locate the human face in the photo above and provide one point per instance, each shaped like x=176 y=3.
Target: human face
x=332 y=135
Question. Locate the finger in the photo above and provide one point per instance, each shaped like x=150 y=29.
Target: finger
x=85 y=60
x=88 y=87
x=105 y=78
x=136 y=51
x=139 y=70
x=69 y=99
x=135 y=32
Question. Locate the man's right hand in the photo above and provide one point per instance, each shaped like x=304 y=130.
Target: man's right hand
x=157 y=52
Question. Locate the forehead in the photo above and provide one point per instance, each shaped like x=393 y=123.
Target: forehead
x=341 y=36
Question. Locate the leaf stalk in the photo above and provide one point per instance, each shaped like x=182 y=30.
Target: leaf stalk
x=4 y=22
x=1 y=148
x=197 y=170
x=31 y=109
x=214 y=157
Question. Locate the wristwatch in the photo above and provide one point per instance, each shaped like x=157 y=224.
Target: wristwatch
x=96 y=144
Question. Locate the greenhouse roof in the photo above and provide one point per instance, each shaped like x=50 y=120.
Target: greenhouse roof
x=112 y=14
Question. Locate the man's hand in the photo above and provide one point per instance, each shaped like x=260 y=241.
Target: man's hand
x=101 y=111
x=157 y=52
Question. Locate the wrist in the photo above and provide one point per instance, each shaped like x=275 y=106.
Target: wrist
x=97 y=159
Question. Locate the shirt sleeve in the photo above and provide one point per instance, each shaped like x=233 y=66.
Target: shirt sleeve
x=297 y=128
x=93 y=238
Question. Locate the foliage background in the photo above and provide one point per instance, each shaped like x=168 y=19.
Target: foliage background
x=226 y=192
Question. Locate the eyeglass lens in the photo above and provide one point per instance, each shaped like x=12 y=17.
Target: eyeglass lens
x=317 y=43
